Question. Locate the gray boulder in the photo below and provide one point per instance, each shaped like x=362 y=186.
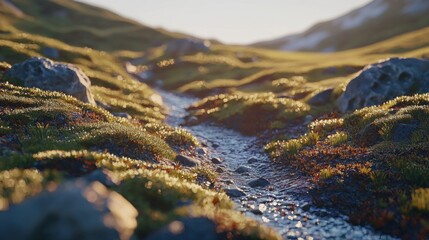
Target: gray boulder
x=186 y=46
x=199 y=228
x=383 y=81
x=187 y=161
x=76 y=210
x=45 y=74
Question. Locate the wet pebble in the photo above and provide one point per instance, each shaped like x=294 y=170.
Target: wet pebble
x=216 y=160
x=228 y=181
x=187 y=161
x=243 y=169
x=220 y=170
x=260 y=182
x=306 y=207
x=252 y=160
x=234 y=192
x=215 y=145
x=192 y=120
x=201 y=151
x=256 y=211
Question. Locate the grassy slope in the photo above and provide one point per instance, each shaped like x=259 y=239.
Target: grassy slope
x=234 y=70
x=230 y=67
x=226 y=69
x=82 y=25
x=49 y=137
x=390 y=192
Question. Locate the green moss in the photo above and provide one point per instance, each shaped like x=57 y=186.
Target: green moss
x=420 y=199
x=326 y=126
x=402 y=110
x=337 y=138
x=391 y=169
x=127 y=140
x=54 y=121
x=161 y=199
x=284 y=149
x=12 y=160
x=248 y=113
x=111 y=84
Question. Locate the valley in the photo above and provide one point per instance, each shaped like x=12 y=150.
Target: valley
x=148 y=134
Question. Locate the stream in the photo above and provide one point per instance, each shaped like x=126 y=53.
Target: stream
x=285 y=204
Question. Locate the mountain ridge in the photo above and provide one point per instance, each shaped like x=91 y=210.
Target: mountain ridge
x=374 y=22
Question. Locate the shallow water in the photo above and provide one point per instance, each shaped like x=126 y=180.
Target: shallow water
x=285 y=205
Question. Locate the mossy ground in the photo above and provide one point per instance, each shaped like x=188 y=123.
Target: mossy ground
x=360 y=167
x=249 y=113
x=47 y=138
x=111 y=84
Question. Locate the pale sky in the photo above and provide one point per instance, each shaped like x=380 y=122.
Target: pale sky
x=231 y=21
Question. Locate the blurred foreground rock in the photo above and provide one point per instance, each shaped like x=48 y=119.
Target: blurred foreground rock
x=200 y=228
x=75 y=210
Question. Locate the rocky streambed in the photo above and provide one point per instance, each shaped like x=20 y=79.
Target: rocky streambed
x=271 y=193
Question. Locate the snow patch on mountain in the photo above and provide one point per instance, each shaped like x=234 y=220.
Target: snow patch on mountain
x=416 y=6
x=299 y=42
x=372 y=10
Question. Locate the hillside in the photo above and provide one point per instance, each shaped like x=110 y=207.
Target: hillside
x=81 y=25
x=377 y=21
x=186 y=139
x=122 y=141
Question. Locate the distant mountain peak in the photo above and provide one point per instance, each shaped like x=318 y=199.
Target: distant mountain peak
x=362 y=15
x=374 y=22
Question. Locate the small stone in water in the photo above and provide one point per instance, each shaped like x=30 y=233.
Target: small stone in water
x=256 y=211
x=252 y=160
x=216 y=160
x=234 y=192
x=228 y=181
x=306 y=207
x=201 y=151
x=262 y=207
x=265 y=220
x=260 y=182
x=242 y=169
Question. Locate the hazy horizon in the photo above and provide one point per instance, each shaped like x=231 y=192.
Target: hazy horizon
x=233 y=22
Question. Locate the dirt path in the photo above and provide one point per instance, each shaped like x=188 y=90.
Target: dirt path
x=284 y=204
